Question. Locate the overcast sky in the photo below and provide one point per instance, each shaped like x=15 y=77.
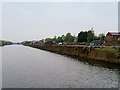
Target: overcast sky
x=36 y=20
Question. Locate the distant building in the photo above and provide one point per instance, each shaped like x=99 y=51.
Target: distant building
x=112 y=36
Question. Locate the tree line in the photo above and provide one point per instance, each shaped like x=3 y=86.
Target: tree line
x=84 y=36
x=60 y=39
x=3 y=42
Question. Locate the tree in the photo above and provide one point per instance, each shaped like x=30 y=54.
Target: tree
x=59 y=39
x=54 y=39
x=87 y=36
x=25 y=42
x=42 y=40
x=82 y=36
x=48 y=40
x=90 y=35
x=3 y=42
x=102 y=37
x=63 y=36
x=69 y=38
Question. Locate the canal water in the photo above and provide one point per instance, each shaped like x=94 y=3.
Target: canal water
x=0 y=67
x=26 y=67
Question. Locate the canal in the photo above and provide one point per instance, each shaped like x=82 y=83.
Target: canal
x=26 y=67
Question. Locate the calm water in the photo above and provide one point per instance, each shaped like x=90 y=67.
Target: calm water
x=0 y=67
x=25 y=67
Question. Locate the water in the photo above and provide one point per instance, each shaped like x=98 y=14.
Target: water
x=26 y=67
x=0 y=67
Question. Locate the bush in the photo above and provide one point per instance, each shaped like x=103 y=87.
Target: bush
x=118 y=49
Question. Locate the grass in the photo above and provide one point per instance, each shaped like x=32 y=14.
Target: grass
x=107 y=49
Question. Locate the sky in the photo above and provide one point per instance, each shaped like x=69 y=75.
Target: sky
x=119 y=16
x=36 y=20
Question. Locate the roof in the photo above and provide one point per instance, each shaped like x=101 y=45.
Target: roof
x=115 y=33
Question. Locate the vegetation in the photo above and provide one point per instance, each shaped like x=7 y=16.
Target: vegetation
x=102 y=37
x=82 y=36
x=108 y=49
x=69 y=38
x=90 y=35
x=60 y=39
x=2 y=42
x=25 y=42
x=87 y=36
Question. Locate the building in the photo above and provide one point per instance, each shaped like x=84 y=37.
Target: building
x=112 y=36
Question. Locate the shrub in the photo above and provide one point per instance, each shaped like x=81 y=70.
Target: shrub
x=118 y=49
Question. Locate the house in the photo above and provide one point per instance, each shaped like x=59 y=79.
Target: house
x=112 y=36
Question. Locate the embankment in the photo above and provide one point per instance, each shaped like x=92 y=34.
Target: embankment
x=81 y=52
